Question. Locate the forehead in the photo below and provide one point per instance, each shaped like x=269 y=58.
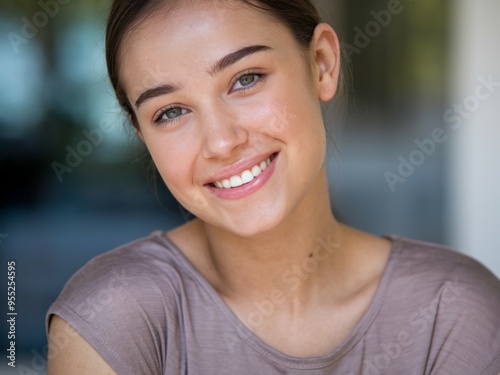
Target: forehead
x=192 y=35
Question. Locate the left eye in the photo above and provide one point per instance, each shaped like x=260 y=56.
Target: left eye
x=170 y=115
x=173 y=113
x=246 y=81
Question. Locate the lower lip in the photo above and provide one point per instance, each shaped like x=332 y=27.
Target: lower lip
x=247 y=189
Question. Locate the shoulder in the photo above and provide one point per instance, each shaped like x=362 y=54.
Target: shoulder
x=135 y=271
x=432 y=263
x=456 y=300
x=436 y=270
x=71 y=354
x=124 y=302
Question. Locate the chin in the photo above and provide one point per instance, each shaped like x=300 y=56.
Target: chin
x=257 y=224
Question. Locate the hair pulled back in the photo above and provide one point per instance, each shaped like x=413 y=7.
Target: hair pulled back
x=300 y=17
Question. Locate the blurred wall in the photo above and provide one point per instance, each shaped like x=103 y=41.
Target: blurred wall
x=395 y=63
x=473 y=212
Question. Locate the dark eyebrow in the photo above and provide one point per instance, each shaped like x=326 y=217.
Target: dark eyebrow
x=236 y=56
x=154 y=92
x=222 y=64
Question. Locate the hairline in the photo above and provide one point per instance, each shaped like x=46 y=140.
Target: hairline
x=155 y=6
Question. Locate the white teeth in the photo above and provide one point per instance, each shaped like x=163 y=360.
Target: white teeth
x=244 y=178
x=236 y=181
x=256 y=171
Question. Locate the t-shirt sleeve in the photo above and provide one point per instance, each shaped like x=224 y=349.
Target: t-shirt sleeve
x=124 y=308
x=466 y=337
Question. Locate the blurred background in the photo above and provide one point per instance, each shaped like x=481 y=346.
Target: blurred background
x=416 y=155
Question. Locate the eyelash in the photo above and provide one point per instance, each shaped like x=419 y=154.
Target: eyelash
x=260 y=78
x=158 y=120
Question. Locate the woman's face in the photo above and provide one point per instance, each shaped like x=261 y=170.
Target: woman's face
x=228 y=107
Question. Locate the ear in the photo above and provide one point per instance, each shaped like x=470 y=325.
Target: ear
x=325 y=49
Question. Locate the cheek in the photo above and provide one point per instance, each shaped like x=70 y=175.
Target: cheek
x=176 y=164
x=291 y=118
x=275 y=114
x=273 y=117
x=173 y=160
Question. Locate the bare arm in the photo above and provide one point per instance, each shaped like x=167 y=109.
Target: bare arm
x=70 y=354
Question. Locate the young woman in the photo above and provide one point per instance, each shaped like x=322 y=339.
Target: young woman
x=226 y=96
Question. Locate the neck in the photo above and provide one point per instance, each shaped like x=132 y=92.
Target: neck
x=291 y=258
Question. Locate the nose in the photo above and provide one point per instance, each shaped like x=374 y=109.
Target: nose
x=222 y=133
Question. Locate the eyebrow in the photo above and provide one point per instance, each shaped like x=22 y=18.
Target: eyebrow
x=220 y=65
x=236 y=56
x=154 y=92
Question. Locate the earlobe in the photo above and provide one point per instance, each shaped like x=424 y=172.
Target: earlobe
x=326 y=55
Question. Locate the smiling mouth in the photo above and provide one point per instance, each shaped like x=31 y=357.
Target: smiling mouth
x=245 y=177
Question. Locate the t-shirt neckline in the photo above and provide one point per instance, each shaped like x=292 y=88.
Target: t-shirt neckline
x=266 y=350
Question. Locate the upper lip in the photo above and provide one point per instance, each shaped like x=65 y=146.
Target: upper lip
x=238 y=168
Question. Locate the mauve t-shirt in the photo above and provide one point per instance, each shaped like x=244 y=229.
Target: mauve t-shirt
x=146 y=310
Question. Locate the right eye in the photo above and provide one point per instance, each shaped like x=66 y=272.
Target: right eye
x=170 y=115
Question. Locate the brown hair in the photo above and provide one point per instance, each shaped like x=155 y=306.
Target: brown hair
x=300 y=16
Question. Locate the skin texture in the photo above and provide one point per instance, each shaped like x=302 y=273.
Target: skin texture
x=244 y=247
x=71 y=354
